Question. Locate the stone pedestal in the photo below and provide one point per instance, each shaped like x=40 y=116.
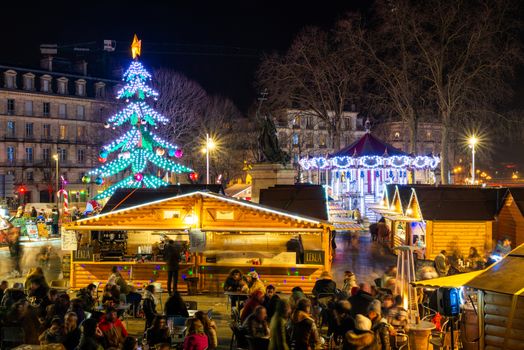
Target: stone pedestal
x=265 y=175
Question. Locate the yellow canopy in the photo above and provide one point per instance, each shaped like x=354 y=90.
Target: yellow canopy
x=453 y=281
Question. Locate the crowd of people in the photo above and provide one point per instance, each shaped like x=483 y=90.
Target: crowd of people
x=357 y=316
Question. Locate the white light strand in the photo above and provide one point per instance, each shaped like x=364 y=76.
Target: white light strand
x=370 y=162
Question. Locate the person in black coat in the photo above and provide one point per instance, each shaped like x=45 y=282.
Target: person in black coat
x=324 y=285
x=270 y=301
x=172 y=260
x=361 y=300
x=158 y=333
x=175 y=306
x=149 y=305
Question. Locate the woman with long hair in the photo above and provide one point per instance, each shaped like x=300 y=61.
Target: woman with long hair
x=304 y=332
x=277 y=327
x=210 y=329
x=195 y=339
x=158 y=333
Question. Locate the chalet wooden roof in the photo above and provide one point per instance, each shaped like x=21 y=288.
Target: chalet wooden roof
x=503 y=277
x=129 y=197
x=368 y=145
x=518 y=196
x=214 y=212
x=464 y=203
x=302 y=199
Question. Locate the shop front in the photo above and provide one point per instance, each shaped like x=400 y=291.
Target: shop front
x=216 y=233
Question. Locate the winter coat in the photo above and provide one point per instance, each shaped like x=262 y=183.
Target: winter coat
x=249 y=308
x=72 y=339
x=256 y=328
x=114 y=332
x=232 y=285
x=257 y=285
x=270 y=305
x=381 y=330
x=277 y=329
x=304 y=333
x=149 y=305
x=88 y=343
x=324 y=286
x=363 y=340
x=195 y=342
x=157 y=336
x=172 y=256
x=360 y=303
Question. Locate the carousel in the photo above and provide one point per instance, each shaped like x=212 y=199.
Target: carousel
x=357 y=174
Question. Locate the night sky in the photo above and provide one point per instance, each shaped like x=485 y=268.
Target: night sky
x=217 y=43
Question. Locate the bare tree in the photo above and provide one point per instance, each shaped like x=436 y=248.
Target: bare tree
x=312 y=76
x=468 y=51
x=182 y=101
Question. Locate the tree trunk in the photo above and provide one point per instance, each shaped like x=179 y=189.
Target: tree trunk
x=444 y=152
x=413 y=133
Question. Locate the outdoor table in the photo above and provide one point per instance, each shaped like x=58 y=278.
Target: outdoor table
x=233 y=294
x=419 y=334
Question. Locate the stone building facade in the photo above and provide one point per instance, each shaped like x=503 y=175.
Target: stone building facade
x=46 y=118
x=301 y=133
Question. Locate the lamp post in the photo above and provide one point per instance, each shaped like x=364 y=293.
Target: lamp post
x=472 y=141
x=55 y=157
x=210 y=144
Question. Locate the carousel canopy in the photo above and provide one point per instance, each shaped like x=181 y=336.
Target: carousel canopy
x=368 y=145
x=369 y=152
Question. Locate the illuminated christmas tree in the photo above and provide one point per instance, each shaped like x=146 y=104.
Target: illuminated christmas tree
x=139 y=145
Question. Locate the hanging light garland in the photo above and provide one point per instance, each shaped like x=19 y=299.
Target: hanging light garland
x=370 y=162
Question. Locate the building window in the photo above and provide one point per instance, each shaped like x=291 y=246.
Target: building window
x=80 y=112
x=63 y=132
x=322 y=140
x=80 y=132
x=10 y=79
x=62 y=110
x=10 y=106
x=45 y=83
x=81 y=87
x=80 y=156
x=29 y=81
x=11 y=128
x=62 y=86
x=10 y=154
x=29 y=154
x=28 y=108
x=62 y=154
x=295 y=139
x=46 y=154
x=29 y=130
x=100 y=90
x=29 y=176
x=47 y=109
x=309 y=122
x=46 y=131
x=47 y=175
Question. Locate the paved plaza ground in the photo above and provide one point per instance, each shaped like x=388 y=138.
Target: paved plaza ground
x=366 y=259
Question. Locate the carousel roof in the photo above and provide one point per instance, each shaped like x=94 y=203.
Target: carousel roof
x=368 y=145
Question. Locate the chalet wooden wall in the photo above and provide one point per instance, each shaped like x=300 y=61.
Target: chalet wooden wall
x=451 y=235
x=497 y=308
x=510 y=223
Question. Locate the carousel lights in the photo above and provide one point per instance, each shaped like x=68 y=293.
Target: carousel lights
x=370 y=162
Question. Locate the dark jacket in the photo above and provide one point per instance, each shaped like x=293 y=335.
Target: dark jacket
x=360 y=303
x=174 y=308
x=232 y=285
x=270 y=305
x=303 y=332
x=148 y=306
x=88 y=343
x=324 y=286
x=72 y=339
x=381 y=330
x=172 y=256
x=360 y=340
x=157 y=336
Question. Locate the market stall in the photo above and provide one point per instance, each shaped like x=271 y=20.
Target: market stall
x=220 y=233
x=451 y=218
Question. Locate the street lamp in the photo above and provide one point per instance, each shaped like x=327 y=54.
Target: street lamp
x=472 y=141
x=210 y=145
x=55 y=157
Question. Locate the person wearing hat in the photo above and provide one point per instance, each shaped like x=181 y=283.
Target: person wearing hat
x=254 y=283
x=362 y=337
x=324 y=285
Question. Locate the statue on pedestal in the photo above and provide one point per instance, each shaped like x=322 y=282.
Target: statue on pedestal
x=269 y=147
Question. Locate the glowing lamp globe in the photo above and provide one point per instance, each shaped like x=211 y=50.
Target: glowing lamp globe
x=171 y=152
x=193 y=176
x=139 y=177
x=102 y=160
x=86 y=179
x=107 y=125
x=179 y=153
x=160 y=151
x=99 y=180
x=104 y=154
